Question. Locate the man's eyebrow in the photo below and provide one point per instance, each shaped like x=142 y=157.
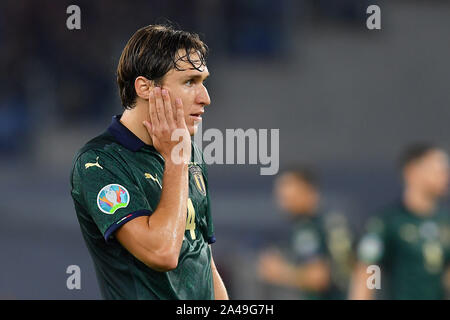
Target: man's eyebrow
x=196 y=76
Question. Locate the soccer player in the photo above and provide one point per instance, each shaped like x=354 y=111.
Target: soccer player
x=409 y=241
x=141 y=200
x=306 y=266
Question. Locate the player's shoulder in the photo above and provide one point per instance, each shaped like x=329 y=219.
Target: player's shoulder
x=391 y=211
x=443 y=211
x=443 y=215
x=386 y=217
x=103 y=144
x=101 y=151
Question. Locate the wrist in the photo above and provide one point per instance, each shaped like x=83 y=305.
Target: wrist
x=178 y=155
x=176 y=165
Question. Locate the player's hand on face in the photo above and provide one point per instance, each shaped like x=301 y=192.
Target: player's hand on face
x=168 y=129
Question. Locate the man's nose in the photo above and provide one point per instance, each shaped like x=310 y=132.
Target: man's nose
x=203 y=96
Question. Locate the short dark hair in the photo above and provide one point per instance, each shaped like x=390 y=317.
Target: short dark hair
x=414 y=152
x=303 y=173
x=152 y=52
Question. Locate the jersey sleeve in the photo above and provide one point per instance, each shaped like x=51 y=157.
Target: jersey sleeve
x=210 y=225
x=107 y=192
x=198 y=154
x=372 y=245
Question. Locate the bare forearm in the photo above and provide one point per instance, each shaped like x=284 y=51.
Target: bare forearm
x=156 y=240
x=168 y=222
x=314 y=276
x=220 y=292
x=358 y=285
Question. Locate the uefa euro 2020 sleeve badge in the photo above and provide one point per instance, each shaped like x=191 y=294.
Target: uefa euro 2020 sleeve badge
x=112 y=197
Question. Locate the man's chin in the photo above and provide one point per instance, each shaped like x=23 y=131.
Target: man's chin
x=193 y=130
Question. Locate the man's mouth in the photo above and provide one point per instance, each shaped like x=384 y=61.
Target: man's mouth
x=197 y=116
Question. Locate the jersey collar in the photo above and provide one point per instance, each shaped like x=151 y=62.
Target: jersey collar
x=124 y=136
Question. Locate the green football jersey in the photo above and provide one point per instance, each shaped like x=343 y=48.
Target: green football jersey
x=325 y=236
x=308 y=243
x=115 y=178
x=412 y=252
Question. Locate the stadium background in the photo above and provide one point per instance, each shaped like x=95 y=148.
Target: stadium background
x=345 y=99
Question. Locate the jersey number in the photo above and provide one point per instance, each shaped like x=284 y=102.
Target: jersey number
x=190 y=222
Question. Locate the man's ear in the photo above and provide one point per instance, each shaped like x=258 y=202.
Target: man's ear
x=143 y=87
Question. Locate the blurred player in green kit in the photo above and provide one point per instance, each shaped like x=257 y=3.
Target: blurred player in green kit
x=317 y=262
x=410 y=241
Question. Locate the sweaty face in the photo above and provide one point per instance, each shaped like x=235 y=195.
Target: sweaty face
x=188 y=85
x=294 y=195
x=431 y=173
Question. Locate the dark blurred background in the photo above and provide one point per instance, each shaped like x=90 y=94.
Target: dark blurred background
x=346 y=100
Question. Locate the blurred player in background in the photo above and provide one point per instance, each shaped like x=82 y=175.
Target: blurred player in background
x=410 y=240
x=318 y=260
x=144 y=209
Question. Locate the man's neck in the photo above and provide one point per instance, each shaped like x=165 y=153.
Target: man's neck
x=305 y=213
x=133 y=118
x=419 y=202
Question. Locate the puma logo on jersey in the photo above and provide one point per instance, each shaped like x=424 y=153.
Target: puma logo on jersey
x=149 y=176
x=90 y=164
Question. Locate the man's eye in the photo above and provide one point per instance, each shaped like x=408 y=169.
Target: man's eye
x=189 y=83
